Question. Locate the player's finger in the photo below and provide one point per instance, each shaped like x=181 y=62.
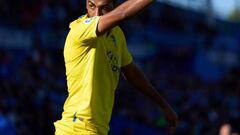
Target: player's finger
x=172 y=130
x=171 y=122
x=172 y=126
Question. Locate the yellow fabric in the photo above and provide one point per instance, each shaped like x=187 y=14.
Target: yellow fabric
x=68 y=127
x=92 y=68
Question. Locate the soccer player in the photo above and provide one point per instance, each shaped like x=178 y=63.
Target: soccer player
x=95 y=54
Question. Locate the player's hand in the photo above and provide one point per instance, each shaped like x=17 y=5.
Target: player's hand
x=172 y=119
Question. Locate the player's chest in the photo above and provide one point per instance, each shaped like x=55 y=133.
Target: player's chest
x=109 y=43
x=108 y=50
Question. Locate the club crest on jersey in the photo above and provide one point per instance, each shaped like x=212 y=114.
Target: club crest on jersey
x=87 y=21
x=114 y=40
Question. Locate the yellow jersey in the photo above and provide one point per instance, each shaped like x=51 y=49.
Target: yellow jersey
x=93 y=65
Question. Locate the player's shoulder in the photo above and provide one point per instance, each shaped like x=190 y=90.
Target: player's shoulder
x=82 y=20
x=85 y=20
x=77 y=21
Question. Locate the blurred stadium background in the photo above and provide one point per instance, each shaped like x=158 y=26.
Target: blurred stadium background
x=190 y=49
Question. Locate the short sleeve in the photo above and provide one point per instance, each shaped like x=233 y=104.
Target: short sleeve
x=84 y=29
x=126 y=56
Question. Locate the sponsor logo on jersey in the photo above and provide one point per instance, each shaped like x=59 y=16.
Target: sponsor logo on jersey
x=114 y=61
x=114 y=40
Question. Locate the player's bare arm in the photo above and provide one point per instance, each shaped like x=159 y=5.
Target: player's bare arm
x=136 y=78
x=122 y=12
